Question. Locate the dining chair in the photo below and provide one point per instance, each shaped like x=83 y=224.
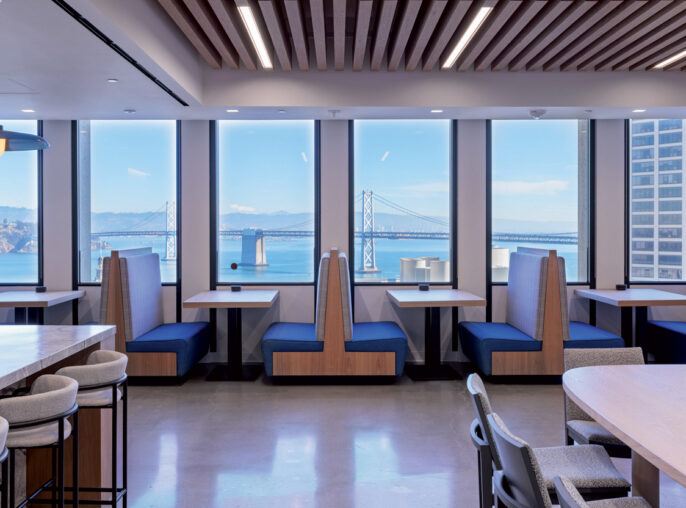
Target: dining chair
x=569 y=497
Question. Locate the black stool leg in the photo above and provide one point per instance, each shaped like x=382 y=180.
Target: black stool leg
x=75 y=460
x=125 y=443
x=12 y=473
x=60 y=469
x=114 y=445
x=4 y=502
x=53 y=489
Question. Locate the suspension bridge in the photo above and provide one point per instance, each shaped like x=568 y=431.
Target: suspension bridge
x=254 y=247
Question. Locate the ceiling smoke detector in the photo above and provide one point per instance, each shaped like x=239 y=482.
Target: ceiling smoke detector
x=537 y=114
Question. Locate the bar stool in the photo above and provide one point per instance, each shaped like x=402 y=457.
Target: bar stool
x=39 y=420
x=4 y=473
x=99 y=388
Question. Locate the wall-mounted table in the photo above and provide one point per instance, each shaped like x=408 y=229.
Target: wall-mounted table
x=636 y=300
x=234 y=302
x=29 y=306
x=643 y=406
x=432 y=301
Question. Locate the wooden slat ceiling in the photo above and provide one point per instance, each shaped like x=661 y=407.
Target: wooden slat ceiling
x=397 y=35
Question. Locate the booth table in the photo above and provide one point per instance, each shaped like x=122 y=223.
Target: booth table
x=30 y=351
x=636 y=299
x=643 y=405
x=234 y=302
x=432 y=301
x=29 y=306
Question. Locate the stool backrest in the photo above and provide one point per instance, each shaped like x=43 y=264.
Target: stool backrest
x=346 y=296
x=322 y=288
x=526 y=293
x=102 y=367
x=575 y=358
x=50 y=396
x=567 y=495
x=4 y=428
x=141 y=294
x=482 y=406
x=519 y=466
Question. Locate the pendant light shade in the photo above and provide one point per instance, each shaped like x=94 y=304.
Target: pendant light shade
x=11 y=141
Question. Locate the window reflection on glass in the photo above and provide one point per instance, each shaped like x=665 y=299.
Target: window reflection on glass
x=402 y=201
x=126 y=192
x=266 y=207
x=657 y=202
x=540 y=192
x=19 y=243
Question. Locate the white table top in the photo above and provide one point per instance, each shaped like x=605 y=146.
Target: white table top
x=33 y=299
x=643 y=405
x=633 y=297
x=26 y=350
x=227 y=299
x=434 y=298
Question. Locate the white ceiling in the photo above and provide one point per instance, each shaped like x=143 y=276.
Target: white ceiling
x=55 y=66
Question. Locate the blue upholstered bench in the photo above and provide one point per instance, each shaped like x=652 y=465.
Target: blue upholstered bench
x=667 y=341
x=362 y=337
x=144 y=326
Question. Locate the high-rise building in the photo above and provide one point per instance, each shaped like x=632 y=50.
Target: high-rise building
x=657 y=200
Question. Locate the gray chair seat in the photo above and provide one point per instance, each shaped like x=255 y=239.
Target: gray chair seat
x=569 y=497
x=102 y=367
x=591 y=432
x=40 y=435
x=586 y=466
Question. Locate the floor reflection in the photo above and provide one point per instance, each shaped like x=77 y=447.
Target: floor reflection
x=162 y=490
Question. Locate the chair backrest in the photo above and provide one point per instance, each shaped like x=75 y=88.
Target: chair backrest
x=564 y=304
x=575 y=358
x=4 y=428
x=50 y=396
x=101 y=367
x=322 y=287
x=141 y=294
x=567 y=495
x=104 y=289
x=482 y=406
x=346 y=298
x=526 y=288
x=519 y=466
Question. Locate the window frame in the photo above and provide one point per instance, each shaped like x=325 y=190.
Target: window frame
x=591 y=275
x=39 y=213
x=75 y=268
x=627 y=212
x=214 y=211
x=452 y=212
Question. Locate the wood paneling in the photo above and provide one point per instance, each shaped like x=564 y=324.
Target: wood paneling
x=549 y=35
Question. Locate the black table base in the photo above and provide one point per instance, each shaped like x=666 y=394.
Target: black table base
x=234 y=370
x=225 y=373
x=29 y=315
x=432 y=369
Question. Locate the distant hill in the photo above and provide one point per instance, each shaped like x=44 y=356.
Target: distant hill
x=13 y=214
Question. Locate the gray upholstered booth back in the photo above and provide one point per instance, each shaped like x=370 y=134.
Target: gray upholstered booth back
x=105 y=290
x=526 y=287
x=346 y=298
x=142 y=294
x=322 y=287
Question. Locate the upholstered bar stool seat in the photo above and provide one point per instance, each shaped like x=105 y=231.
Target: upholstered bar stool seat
x=102 y=368
x=568 y=497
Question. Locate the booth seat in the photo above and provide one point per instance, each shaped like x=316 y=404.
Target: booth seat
x=523 y=329
x=144 y=327
x=384 y=336
x=667 y=341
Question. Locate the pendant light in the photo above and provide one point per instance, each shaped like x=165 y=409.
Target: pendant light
x=15 y=141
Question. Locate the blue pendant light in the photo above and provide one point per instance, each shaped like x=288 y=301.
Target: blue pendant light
x=14 y=141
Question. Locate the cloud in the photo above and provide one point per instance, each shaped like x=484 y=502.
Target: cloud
x=137 y=172
x=384 y=156
x=545 y=188
x=304 y=156
x=241 y=208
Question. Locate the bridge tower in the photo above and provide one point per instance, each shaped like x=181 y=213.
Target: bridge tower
x=253 y=248
x=368 y=258
x=171 y=230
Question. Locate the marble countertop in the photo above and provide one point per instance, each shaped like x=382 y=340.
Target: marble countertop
x=25 y=350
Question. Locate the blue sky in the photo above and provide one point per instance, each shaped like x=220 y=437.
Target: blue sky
x=266 y=166
x=18 y=170
x=535 y=170
x=406 y=162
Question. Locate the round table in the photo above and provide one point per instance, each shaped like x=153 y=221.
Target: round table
x=645 y=407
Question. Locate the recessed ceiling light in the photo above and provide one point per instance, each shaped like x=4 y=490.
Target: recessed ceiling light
x=671 y=59
x=232 y=111
x=27 y=111
x=255 y=36
x=480 y=17
x=130 y=111
x=639 y=111
x=437 y=111
x=113 y=80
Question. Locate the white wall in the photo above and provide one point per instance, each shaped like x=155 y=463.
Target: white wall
x=296 y=303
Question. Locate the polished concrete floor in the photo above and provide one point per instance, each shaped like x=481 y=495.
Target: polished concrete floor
x=223 y=444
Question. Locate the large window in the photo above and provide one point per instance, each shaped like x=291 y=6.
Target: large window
x=127 y=192
x=266 y=201
x=656 y=202
x=19 y=239
x=540 y=192
x=401 y=196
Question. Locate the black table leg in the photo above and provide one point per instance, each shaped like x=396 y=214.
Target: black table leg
x=75 y=311
x=592 y=312
x=20 y=315
x=234 y=370
x=627 y=326
x=641 y=314
x=433 y=369
x=36 y=316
